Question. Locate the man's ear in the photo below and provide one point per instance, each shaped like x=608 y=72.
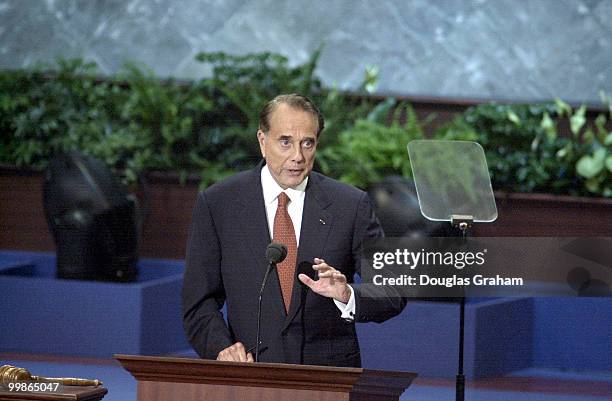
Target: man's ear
x=261 y=138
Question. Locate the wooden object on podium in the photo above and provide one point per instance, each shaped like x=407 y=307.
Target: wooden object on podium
x=171 y=379
x=68 y=393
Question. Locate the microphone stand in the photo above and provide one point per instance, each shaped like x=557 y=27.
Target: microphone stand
x=263 y=286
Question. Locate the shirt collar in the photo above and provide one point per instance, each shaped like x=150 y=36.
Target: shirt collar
x=271 y=189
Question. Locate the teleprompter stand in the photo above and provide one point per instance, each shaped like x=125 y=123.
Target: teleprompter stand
x=453 y=184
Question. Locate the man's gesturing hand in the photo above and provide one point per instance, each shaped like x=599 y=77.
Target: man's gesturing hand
x=235 y=353
x=331 y=283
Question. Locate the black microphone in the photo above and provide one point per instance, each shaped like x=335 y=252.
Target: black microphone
x=275 y=253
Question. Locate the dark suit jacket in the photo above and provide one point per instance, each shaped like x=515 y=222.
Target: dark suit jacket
x=226 y=263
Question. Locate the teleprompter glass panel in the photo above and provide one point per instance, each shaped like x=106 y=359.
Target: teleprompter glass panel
x=452 y=178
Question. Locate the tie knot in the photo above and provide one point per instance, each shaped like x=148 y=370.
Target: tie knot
x=283 y=199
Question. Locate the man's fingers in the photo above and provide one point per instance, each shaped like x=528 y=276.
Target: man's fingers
x=250 y=357
x=241 y=352
x=327 y=274
x=340 y=277
x=224 y=355
x=322 y=267
x=233 y=353
x=306 y=280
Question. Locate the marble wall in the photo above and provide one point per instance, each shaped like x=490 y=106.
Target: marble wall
x=484 y=49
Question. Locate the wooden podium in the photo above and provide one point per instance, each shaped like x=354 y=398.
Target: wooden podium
x=171 y=379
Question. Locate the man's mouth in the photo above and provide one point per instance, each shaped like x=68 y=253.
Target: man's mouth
x=295 y=172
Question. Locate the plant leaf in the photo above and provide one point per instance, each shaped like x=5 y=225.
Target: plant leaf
x=592 y=184
x=549 y=126
x=381 y=112
x=563 y=108
x=590 y=166
x=513 y=117
x=370 y=81
x=578 y=120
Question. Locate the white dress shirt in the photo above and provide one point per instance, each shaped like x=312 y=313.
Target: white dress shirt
x=296 y=195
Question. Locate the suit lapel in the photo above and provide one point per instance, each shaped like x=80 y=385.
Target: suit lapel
x=257 y=235
x=253 y=212
x=316 y=223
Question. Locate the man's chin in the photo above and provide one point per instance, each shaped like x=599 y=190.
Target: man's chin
x=293 y=181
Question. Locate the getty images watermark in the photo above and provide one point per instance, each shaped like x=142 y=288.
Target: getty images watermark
x=414 y=260
x=500 y=266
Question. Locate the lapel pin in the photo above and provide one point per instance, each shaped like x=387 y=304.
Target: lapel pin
x=322 y=221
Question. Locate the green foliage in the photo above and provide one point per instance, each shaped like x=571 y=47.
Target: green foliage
x=238 y=88
x=370 y=150
x=340 y=112
x=72 y=110
x=245 y=83
x=590 y=149
x=525 y=153
x=373 y=148
x=134 y=122
x=520 y=146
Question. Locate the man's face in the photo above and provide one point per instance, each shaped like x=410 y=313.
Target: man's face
x=290 y=145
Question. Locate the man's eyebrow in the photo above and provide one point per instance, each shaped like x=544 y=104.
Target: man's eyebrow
x=290 y=137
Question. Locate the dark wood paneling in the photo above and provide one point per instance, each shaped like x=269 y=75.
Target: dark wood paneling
x=167 y=208
x=544 y=215
x=22 y=218
x=167 y=212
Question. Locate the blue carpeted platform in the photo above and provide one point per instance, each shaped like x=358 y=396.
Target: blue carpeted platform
x=42 y=314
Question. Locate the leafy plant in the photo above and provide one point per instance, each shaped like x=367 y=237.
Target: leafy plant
x=72 y=110
x=135 y=122
x=524 y=151
x=371 y=149
x=592 y=146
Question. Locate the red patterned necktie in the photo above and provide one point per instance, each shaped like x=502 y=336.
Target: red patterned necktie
x=285 y=234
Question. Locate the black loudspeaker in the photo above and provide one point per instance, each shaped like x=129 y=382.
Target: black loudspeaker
x=397 y=208
x=92 y=218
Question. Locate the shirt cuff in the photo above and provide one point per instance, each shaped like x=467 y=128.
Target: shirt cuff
x=347 y=309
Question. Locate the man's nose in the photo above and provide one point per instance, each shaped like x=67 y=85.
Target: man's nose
x=298 y=154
